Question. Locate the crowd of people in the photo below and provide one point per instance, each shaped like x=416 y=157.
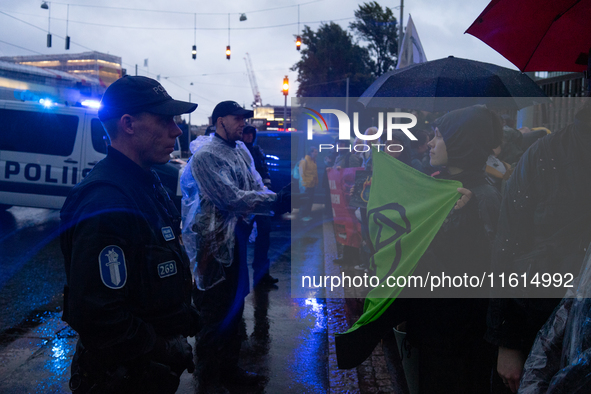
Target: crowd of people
x=525 y=213
x=522 y=208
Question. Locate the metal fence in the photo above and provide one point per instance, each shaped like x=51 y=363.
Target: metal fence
x=568 y=93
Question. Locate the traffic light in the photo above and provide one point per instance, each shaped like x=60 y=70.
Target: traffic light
x=67 y=42
x=285 y=86
x=298 y=42
x=228 y=52
x=194 y=52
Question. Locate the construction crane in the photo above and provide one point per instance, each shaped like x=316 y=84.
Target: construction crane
x=253 y=82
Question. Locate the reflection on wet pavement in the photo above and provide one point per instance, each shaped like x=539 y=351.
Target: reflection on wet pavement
x=286 y=337
x=310 y=356
x=58 y=365
x=39 y=361
x=31 y=273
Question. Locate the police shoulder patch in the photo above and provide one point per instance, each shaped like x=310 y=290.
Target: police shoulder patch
x=112 y=267
x=167 y=233
x=167 y=269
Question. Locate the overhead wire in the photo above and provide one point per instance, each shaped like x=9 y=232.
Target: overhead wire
x=26 y=49
x=225 y=73
x=190 y=91
x=324 y=83
x=182 y=28
x=175 y=28
x=185 y=12
x=91 y=49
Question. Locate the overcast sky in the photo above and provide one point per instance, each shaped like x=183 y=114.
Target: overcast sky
x=164 y=31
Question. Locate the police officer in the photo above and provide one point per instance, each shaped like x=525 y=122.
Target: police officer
x=128 y=292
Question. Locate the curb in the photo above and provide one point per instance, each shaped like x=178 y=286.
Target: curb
x=374 y=375
x=339 y=380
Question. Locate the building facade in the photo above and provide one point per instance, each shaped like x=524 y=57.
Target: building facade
x=101 y=66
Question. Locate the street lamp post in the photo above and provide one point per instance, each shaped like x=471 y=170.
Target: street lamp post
x=285 y=91
x=189 y=132
x=400 y=33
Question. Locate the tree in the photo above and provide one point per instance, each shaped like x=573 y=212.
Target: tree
x=329 y=57
x=379 y=28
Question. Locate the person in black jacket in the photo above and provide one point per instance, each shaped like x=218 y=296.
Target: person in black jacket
x=260 y=263
x=453 y=356
x=128 y=292
x=463 y=243
x=544 y=228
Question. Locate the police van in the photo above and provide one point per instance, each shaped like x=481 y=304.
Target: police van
x=283 y=151
x=46 y=149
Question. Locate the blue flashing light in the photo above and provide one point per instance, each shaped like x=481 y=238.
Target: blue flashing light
x=91 y=103
x=46 y=102
x=272 y=157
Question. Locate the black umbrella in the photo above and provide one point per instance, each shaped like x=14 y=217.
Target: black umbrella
x=451 y=83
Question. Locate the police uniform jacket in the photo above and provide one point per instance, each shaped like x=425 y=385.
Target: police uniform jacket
x=128 y=276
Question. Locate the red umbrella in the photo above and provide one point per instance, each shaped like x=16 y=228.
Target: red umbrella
x=538 y=35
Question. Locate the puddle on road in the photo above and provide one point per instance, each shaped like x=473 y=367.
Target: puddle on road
x=39 y=356
x=310 y=363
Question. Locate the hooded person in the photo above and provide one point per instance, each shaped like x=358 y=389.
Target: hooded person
x=308 y=171
x=249 y=137
x=399 y=147
x=453 y=357
x=346 y=157
x=260 y=263
x=365 y=154
x=469 y=136
x=512 y=149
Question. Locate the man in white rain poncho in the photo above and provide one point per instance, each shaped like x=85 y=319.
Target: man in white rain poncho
x=221 y=192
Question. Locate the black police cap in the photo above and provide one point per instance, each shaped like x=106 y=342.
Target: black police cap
x=135 y=94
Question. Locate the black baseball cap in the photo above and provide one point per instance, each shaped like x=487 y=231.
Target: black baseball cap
x=226 y=108
x=131 y=95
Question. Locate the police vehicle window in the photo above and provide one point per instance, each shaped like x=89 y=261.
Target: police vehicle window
x=275 y=144
x=99 y=136
x=37 y=132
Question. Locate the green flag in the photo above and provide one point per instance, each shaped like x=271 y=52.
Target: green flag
x=406 y=209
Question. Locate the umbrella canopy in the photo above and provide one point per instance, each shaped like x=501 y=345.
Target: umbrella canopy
x=538 y=35
x=462 y=82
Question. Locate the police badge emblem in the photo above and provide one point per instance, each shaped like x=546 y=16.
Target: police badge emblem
x=112 y=267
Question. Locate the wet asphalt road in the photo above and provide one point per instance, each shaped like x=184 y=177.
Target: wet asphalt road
x=31 y=269
x=286 y=338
